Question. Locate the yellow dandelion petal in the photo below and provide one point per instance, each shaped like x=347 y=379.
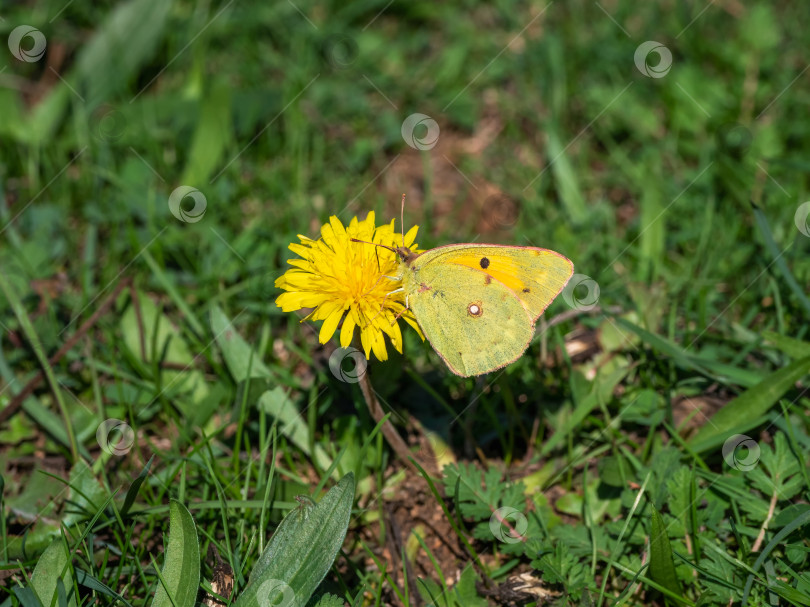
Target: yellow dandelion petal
x=330 y=324
x=289 y=302
x=365 y=340
x=365 y=228
x=338 y=228
x=391 y=328
x=293 y=279
x=408 y=318
x=378 y=345
x=345 y=280
x=347 y=331
x=301 y=264
x=410 y=236
x=301 y=250
x=328 y=240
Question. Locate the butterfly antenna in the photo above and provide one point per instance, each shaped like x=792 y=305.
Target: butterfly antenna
x=402 y=220
x=374 y=244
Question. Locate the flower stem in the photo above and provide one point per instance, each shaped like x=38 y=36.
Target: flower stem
x=377 y=414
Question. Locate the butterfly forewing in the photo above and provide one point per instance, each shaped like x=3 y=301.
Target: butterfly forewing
x=473 y=321
x=536 y=276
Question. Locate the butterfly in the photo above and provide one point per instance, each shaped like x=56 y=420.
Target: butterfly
x=477 y=303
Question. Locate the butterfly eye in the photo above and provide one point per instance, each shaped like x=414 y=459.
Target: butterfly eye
x=474 y=309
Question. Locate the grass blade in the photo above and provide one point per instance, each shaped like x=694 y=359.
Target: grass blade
x=778 y=258
x=565 y=178
x=132 y=492
x=797 y=523
x=795 y=348
x=36 y=344
x=743 y=412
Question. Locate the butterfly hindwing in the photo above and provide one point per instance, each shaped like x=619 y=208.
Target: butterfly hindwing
x=473 y=321
x=536 y=276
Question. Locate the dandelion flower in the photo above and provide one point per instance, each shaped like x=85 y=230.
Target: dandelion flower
x=348 y=281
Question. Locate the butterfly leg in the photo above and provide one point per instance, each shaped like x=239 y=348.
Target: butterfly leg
x=396 y=318
x=379 y=280
x=382 y=306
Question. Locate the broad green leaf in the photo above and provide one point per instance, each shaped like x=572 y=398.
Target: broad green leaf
x=52 y=424
x=565 y=178
x=87 y=496
x=239 y=358
x=48 y=570
x=11 y=108
x=169 y=343
x=652 y=222
x=121 y=44
x=211 y=137
x=301 y=550
x=181 y=566
x=103 y=66
x=292 y=424
x=789 y=514
x=614 y=470
x=662 y=566
x=46 y=116
x=795 y=348
x=745 y=411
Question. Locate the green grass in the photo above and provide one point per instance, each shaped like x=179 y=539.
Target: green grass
x=676 y=195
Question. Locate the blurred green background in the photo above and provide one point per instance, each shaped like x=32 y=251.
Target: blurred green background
x=673 y=178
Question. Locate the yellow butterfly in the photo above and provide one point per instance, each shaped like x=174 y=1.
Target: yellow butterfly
x=477 y=303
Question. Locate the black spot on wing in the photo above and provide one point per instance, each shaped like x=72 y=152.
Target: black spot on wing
x=484 y=262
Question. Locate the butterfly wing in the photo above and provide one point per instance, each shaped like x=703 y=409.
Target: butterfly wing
x=536 y=276
x=473 y=321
